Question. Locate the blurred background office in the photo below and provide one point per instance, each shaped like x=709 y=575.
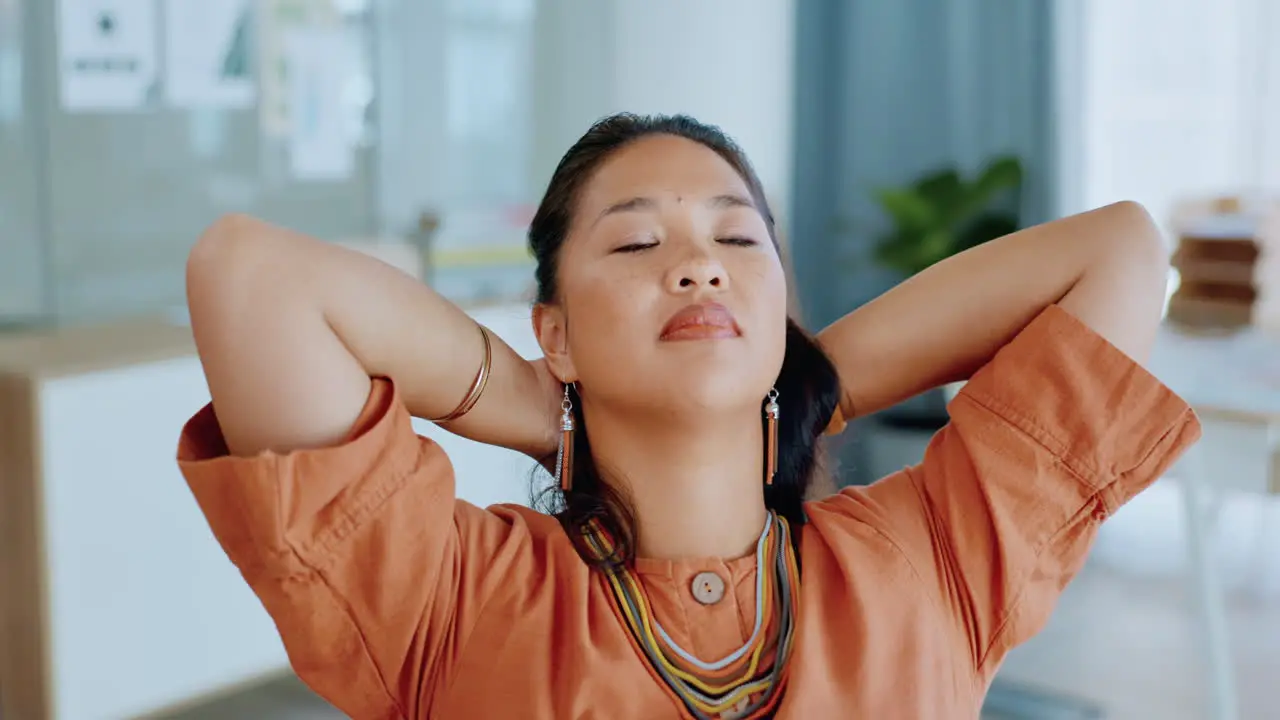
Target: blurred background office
x=889 y=135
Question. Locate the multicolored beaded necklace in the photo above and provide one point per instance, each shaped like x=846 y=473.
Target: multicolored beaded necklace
x=747 y=683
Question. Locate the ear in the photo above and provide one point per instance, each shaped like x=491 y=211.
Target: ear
x=552 y=330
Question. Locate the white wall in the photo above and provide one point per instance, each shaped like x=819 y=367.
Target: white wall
x=726 y=62
x=1163 y=99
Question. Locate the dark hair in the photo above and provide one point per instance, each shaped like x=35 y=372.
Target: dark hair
x=808 y=387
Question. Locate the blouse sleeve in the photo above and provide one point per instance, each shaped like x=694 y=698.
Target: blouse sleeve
x=371 y=570
x=1045 y=442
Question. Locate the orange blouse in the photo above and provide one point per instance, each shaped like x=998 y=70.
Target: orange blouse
x=395 y=600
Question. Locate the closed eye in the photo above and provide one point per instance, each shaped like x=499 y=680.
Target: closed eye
x=636 y=247
x=738 y=241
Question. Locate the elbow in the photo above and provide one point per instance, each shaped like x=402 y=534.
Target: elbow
x=1135 y=247
x=1139 y=238
x=217 y=247
x=218 y=264
x=222 y=237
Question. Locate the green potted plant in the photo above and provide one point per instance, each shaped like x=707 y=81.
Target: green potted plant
x=944 y=213
x=933 y=218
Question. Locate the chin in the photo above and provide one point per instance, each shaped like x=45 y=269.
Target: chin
x=684 y=378
x=715 y=390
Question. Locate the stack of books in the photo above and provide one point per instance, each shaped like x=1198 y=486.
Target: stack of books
x=1227 y=280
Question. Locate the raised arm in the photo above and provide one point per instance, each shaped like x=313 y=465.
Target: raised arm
x=1107 y=267
x=291 y=329
x=1058 y=426
x=349 y=531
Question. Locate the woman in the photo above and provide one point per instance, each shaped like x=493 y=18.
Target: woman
x=682 y=575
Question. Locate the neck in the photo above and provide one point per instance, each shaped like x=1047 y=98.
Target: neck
x=695 y=487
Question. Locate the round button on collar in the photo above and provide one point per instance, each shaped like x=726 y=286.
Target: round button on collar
x=708 y=588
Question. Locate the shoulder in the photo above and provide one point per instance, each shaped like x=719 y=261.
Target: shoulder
x=523 y=543
x=854 y=528
x=538 y=528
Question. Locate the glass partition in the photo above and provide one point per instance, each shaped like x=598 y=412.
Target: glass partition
x=22 y=268
x=131 y=187
x=134 y=123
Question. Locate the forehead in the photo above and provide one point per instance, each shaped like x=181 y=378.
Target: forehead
x=661 y=166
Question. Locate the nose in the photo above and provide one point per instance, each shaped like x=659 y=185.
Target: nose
x=699 y=271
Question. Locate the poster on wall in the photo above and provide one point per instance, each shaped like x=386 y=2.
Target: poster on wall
x=320 y=147
x=107 y=54
x=278 y=21
x=209 y=59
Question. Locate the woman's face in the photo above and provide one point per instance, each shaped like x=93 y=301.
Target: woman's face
x=672 y=295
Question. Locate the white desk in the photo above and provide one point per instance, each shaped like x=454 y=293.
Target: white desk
x=1231 y=381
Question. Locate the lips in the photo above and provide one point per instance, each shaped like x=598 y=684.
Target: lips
x=703 y=321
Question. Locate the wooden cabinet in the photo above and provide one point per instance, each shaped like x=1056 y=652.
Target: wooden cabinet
x=116 y=600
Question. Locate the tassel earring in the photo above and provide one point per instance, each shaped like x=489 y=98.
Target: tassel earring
x=564 y=457
x=771 y=437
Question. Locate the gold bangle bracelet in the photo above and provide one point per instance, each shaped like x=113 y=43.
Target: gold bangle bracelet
x=477 y=387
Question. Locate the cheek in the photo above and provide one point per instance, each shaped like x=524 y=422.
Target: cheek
x=764 y=284
x=768 y=293
x=607 y=317
x=601 y=300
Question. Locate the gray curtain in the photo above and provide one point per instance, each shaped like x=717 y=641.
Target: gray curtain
x=887 y=90
x=890 y=89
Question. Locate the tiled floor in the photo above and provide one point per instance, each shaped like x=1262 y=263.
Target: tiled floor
x=1124 y=635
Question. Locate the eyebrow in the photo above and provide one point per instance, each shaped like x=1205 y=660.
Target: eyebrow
x=645 y=204
x=730 y=201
